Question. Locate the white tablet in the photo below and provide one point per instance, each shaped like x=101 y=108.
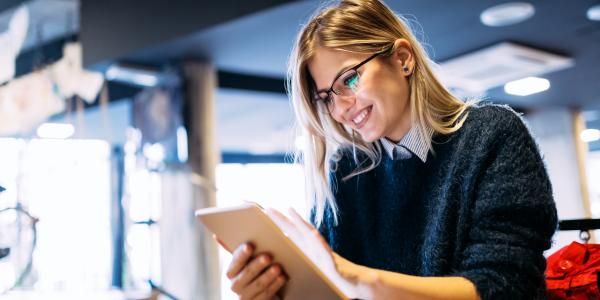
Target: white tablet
x=249 y=223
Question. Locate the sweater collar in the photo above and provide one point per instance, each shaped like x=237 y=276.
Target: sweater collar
x=412 y=141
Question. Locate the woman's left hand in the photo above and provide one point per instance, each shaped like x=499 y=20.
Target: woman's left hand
x=343 y=273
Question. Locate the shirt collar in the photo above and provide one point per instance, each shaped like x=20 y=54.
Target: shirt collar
x=411 y=141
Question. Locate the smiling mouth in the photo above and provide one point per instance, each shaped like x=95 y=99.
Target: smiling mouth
x=362 y=118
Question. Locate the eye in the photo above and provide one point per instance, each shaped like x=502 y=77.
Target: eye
x=351 y=80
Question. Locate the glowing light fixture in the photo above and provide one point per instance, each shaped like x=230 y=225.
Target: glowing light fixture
x=55 y=131
x=593 y=13
x=507 y=14
x=132 y=75
x=590 y=135
x=527 y=86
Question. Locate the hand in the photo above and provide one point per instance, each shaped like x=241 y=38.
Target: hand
x=254 y=277
x=340 y=271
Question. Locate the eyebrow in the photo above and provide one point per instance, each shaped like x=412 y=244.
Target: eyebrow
x=340 y=72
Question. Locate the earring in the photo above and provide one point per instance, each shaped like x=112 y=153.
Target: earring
x=405 y=69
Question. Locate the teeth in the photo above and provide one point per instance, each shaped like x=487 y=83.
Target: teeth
x=360 y=117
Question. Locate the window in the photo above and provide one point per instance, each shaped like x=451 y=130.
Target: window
x=66 y=184
x=271 y=185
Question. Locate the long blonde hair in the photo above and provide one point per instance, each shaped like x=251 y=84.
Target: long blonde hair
x=360 y=26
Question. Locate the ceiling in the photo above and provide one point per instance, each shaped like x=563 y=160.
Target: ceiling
x=258 y=44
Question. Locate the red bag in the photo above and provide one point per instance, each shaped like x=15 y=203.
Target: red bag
x=572 y=272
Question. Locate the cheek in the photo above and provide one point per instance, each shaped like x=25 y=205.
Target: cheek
x=337 y=117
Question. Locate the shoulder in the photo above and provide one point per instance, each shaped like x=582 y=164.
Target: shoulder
x=491 y=120
x=493 y=116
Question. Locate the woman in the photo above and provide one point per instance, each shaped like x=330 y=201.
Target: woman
x=417 y=195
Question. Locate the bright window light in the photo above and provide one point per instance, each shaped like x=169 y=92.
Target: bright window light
x=66 y=184
x=182 y=147
x=154 y=152
x=279 y=186
x=590 y=135
x=527 y=86
x=55 y=131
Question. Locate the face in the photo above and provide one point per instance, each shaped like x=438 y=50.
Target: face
x=380 y=106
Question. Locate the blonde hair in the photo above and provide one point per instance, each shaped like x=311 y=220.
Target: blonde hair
x=360 y=26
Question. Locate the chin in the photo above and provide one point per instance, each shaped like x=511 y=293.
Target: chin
x=370 y=137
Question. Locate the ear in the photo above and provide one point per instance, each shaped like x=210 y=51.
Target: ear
x=403 y=56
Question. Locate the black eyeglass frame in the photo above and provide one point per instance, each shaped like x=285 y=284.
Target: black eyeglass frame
x=318 y=97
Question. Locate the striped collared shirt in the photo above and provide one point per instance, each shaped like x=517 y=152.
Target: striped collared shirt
x=410 y=144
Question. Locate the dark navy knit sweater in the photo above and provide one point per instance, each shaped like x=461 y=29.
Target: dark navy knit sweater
x=481 y=207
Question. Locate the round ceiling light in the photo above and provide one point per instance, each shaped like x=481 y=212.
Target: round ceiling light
x=593 y=13
x=507 y=14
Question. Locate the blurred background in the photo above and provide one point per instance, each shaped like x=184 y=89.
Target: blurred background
x=118 y=119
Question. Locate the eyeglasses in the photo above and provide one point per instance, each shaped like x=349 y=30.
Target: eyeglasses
x=344 y=85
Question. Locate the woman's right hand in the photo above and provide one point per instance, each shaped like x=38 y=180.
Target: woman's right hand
x=254 y=277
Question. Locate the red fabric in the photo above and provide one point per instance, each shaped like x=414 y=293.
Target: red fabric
x=572 y=272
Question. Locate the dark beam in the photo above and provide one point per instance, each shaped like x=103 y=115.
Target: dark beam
x=52 y=51
x=251 y=82
x=248 y=158
x=113 y=29
x=579 y=224
x=41 y=55
x=9 y=4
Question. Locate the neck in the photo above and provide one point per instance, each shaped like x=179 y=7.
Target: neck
x=399 y=131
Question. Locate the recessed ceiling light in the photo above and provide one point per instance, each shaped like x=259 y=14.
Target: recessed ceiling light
x=484 y=69
x=590 y=135
x=593 y=13
x=527 y=86
x=507 y=14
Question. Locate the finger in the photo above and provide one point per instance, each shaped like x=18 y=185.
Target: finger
x=262 y=282
x=248 y=275
x=281 y=220
x=240 y=258
x=301 y=224
x=307 y=226
x=287 y=226
x=295 y=214
x=221 y=243
x=309 y=231
x=273 y=288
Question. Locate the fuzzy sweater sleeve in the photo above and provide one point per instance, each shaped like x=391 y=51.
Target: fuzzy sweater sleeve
x=513 y=215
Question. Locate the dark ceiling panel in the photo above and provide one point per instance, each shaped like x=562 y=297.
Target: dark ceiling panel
x=258 y=44
x=8 y=4
x=111 y=29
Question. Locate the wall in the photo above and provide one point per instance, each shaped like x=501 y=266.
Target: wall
x=553 y=130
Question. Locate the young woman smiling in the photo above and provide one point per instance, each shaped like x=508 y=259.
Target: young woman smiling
x=415 y=193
